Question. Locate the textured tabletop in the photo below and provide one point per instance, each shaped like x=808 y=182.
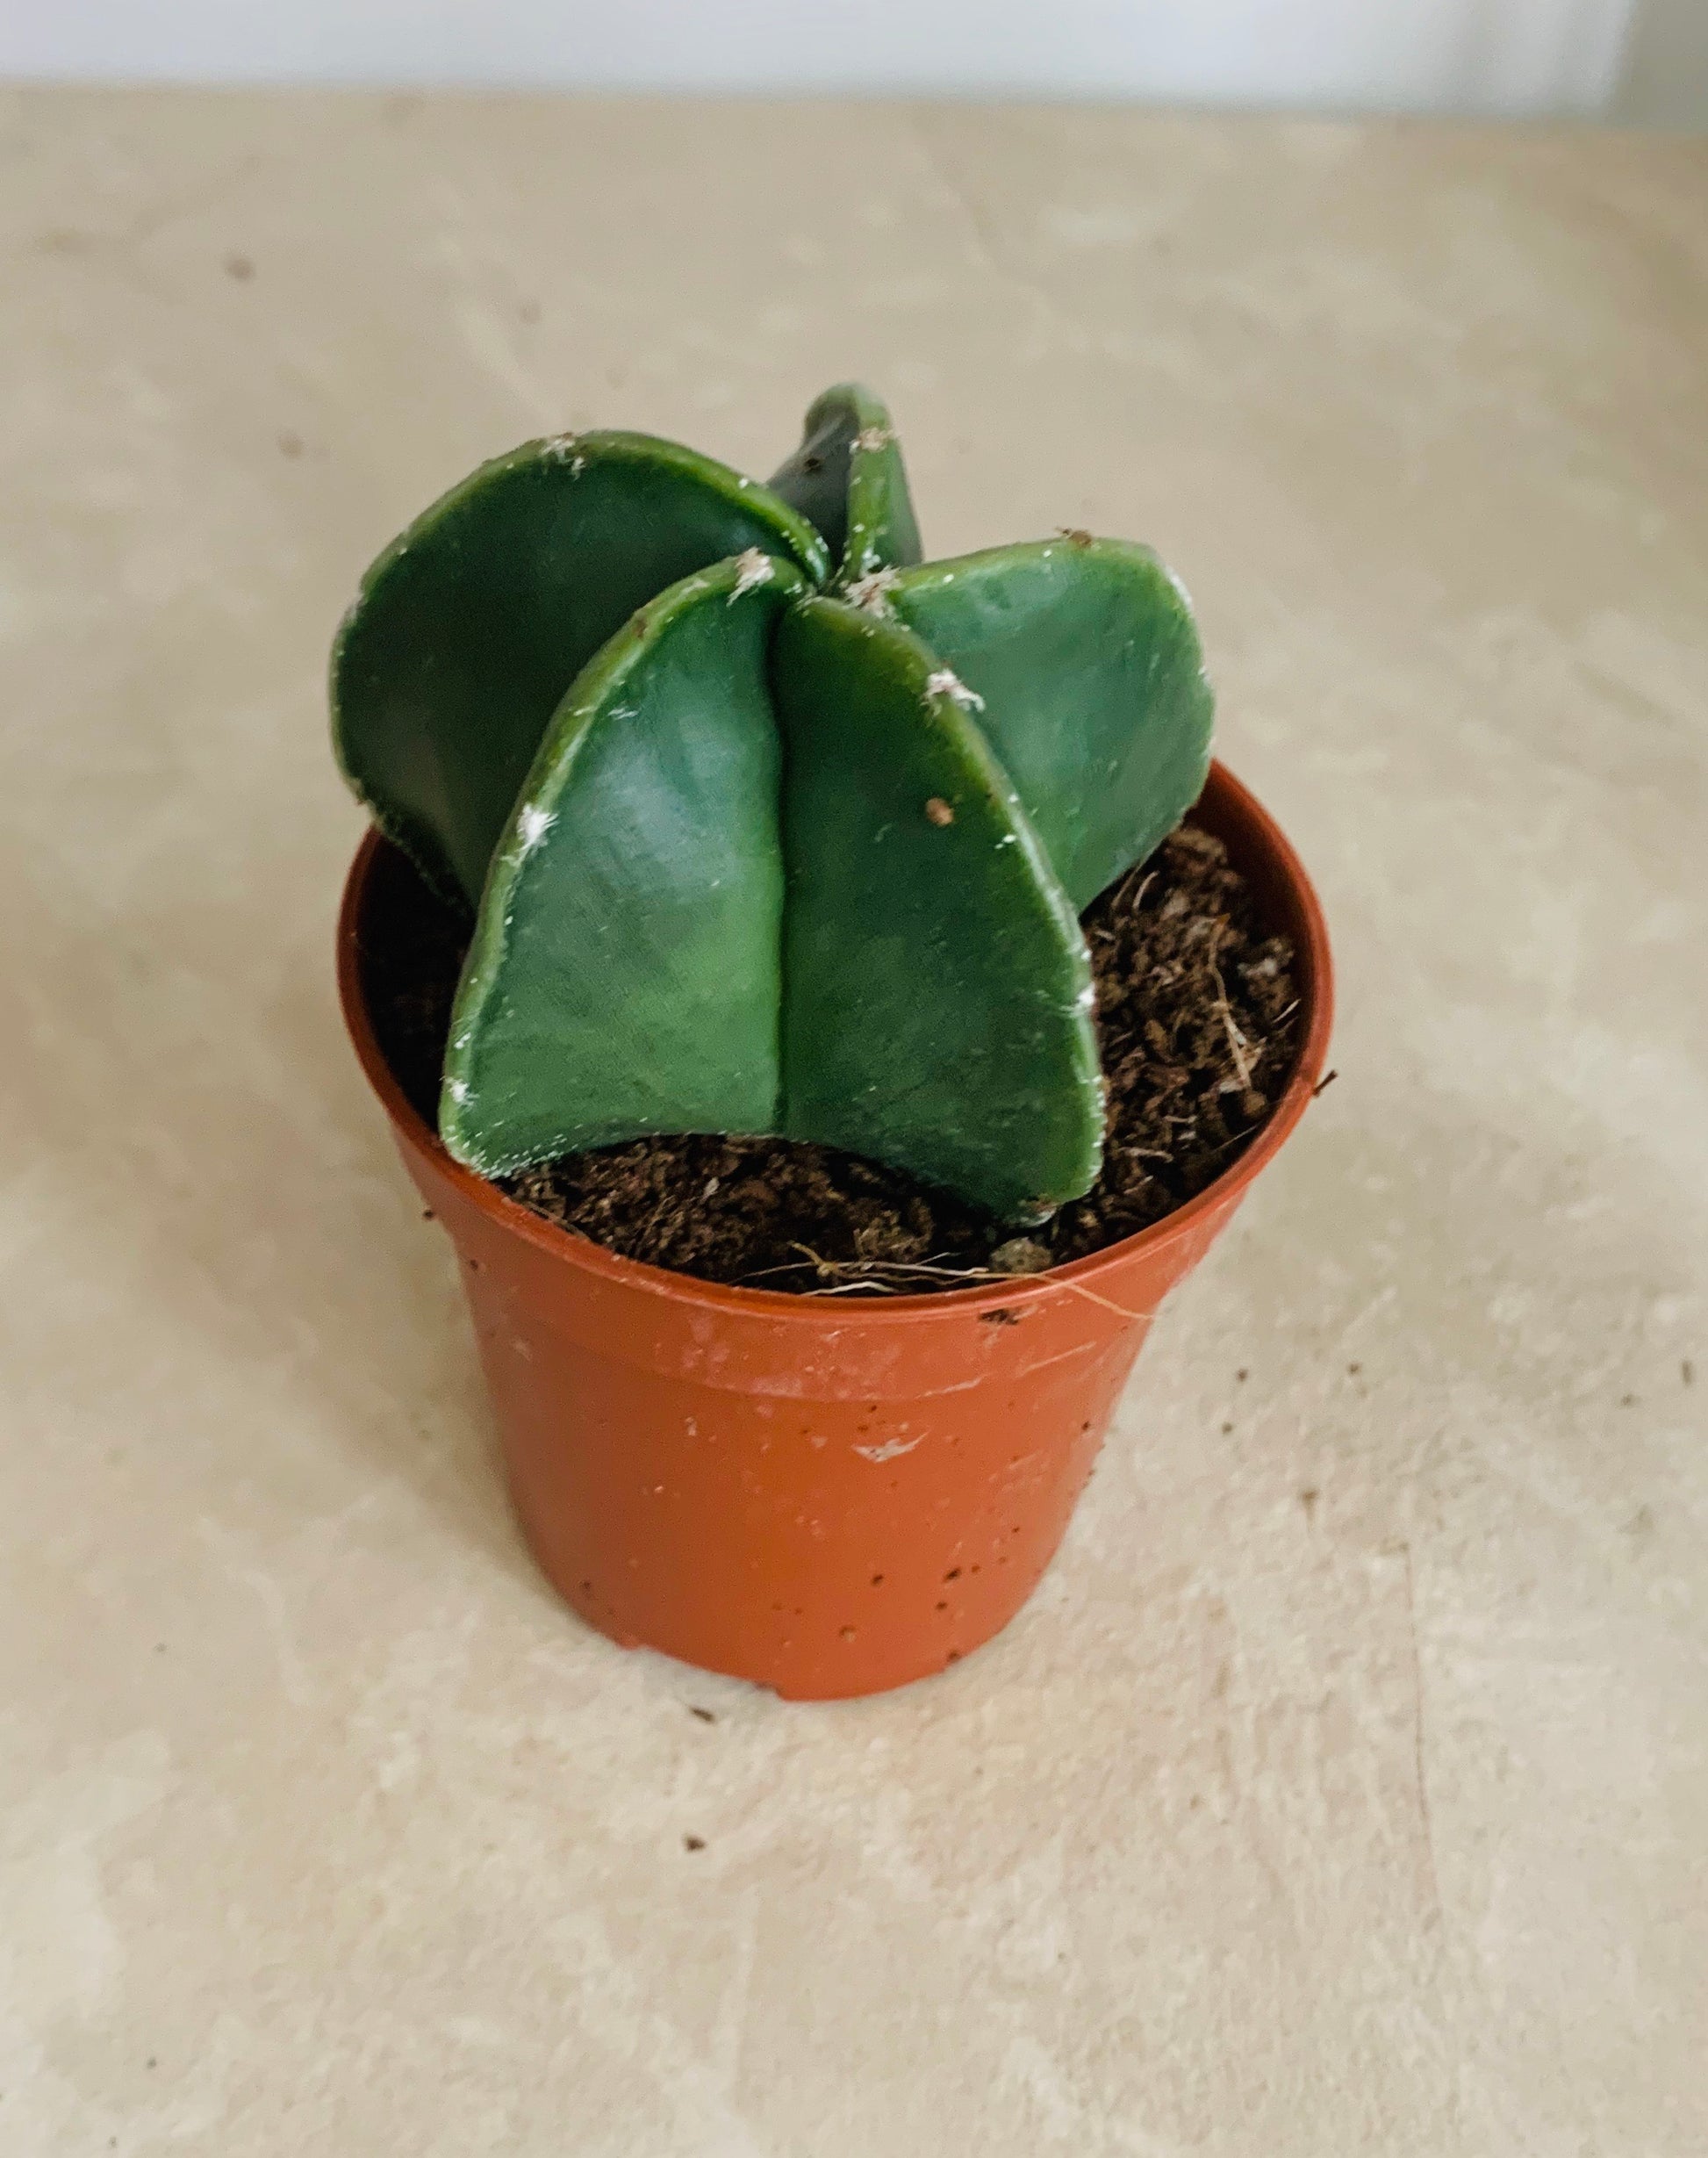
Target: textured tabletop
x=1344 y=1789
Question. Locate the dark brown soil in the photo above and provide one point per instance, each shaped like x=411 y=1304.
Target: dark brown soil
x=1198 y=1016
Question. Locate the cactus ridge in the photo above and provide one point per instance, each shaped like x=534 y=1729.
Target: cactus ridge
x=765 y=823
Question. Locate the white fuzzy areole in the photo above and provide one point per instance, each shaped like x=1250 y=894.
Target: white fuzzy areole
x=874 y=438
x=946 y=683
x=535 y=822
x=755 y=568
x=872 y=591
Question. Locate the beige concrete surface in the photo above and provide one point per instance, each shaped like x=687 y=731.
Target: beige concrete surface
x=1346 y=1788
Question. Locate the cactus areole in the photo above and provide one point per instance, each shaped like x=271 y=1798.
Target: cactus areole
x=765 y=824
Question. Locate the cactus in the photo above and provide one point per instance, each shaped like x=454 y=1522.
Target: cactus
x=765 y=825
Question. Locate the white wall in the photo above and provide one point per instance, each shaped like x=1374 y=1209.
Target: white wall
x=1665 y=79
x=1476 y=55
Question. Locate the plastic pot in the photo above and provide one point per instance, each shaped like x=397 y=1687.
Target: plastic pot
x=828 y=1497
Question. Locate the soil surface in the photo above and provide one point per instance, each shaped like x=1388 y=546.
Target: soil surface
x=1198 y=1016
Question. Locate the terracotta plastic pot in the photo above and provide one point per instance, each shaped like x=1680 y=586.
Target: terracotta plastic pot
x=828 y=1497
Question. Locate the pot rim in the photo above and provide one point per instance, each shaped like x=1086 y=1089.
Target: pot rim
x=1316 y=994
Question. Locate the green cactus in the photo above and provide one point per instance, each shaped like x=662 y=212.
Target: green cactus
x=765 y=825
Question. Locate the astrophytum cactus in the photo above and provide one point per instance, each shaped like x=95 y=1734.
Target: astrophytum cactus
x=766 y=826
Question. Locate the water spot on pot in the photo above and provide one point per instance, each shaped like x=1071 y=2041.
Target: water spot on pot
x=953 y=1574
x=877 y=1580
x=953 y=1657
x=847 y=1633
x=587 y=1588
x=943 y=1606
x=892 y=1450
